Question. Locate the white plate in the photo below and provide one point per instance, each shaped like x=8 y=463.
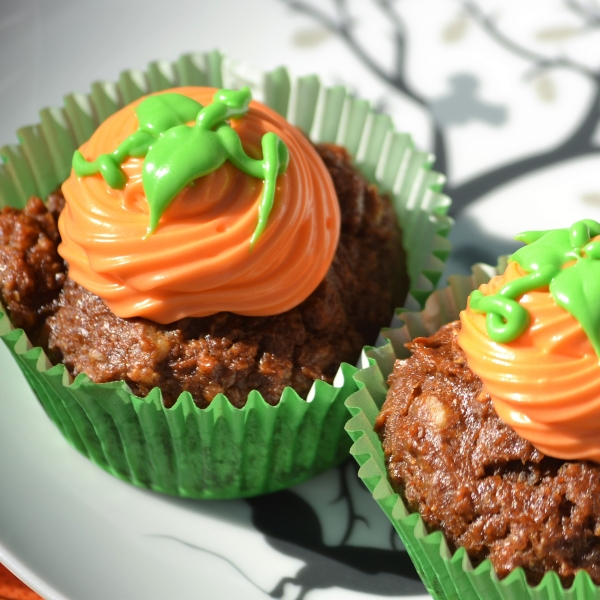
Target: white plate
x=73 y=532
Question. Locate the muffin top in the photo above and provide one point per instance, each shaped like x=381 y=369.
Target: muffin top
x=195 y=201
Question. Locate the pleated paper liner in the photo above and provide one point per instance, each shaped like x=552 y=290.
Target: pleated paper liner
x=217 y=452
x=221 y=451
x=447 y=576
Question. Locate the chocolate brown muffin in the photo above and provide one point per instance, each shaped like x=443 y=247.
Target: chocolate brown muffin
x=471 y=476
x=227 y=353
x=31 y=271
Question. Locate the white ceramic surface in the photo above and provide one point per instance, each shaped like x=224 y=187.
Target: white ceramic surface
x=73 y=532
x=512 y=91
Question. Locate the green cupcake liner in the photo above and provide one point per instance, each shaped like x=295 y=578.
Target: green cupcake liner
x=221 y=451
x=447 y=576
x=217 y=452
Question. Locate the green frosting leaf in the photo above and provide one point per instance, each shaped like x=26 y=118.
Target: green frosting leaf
x=157 y=114
x=551 y=248
x=176 y=153
x=577 y=290
x=175 y=160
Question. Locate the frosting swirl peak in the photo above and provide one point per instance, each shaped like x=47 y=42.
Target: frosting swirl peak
x=199 y=260
x=544 y=375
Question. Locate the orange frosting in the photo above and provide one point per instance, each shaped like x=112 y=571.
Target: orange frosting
x=546 y=383
x=199 y=262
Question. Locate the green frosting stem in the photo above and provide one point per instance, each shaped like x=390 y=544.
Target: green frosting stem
x=274 y=163
x=506 y=319
x=538 y=279
x=176 y=154
x=109 y=165
x=546 y=258
x=226 y=104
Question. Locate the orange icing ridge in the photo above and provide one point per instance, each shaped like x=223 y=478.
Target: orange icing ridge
x=546 y=383
x=199 y=262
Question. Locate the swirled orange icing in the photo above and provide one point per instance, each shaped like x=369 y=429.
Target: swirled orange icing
x=546 y=383
x=199 y=261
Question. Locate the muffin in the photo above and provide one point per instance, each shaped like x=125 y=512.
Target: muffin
x=203 y=403
x=487 y=430
x=220 y=353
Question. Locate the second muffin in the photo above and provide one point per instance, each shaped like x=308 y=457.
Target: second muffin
x=489 y=429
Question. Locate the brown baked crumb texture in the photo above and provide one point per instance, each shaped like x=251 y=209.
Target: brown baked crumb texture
x=31 y=271
x=474 y=478
x=224 y=353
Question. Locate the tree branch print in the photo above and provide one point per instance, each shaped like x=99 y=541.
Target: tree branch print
x=578 y=143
